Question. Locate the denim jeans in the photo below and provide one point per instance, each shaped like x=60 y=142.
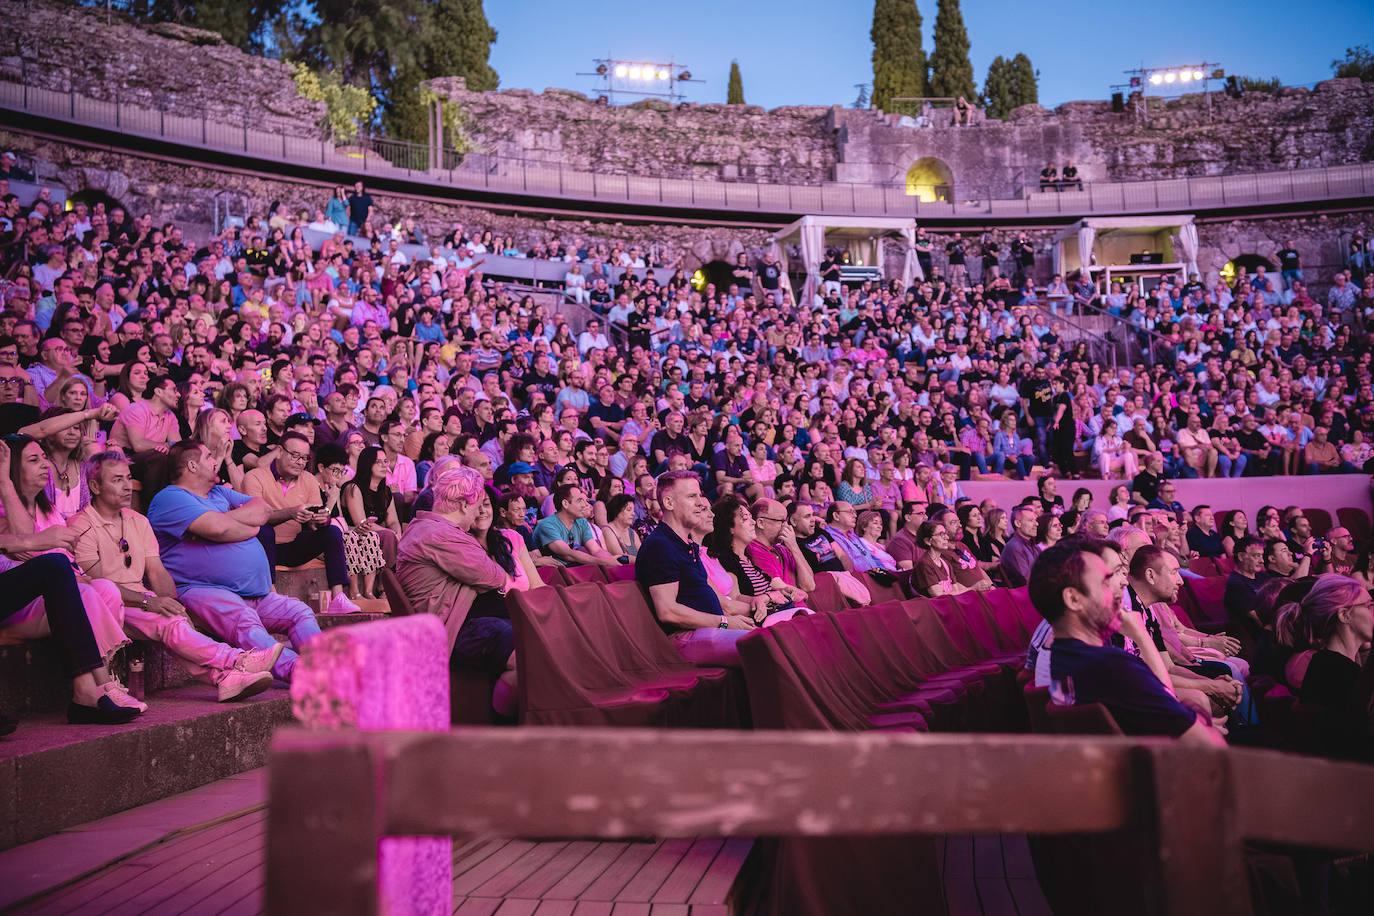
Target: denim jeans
x=1042 y=437
x=1230 y=467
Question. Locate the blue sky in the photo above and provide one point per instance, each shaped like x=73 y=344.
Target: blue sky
x=795 y=52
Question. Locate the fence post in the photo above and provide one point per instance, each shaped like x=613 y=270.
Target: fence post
x=71 y=100
x=245 y=136
x=118 y=115
x=161 y=123
x=204 y=135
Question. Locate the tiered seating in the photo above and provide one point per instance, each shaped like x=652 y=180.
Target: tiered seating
x=592 y=653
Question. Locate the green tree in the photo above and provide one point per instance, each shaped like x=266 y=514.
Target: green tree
x=459 y=42
x=951 y=72
x=1358 y=63
x=899 y=60
x=407 y=114
x=365 y=42
x=734 y=95
x=861 y=100
x=1009 y=84
x=245 y=24
x=346 y=107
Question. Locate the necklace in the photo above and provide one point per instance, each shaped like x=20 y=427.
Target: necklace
x=64 y=476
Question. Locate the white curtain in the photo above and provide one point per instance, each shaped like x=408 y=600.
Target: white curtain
x=1187 y=240
x=780 y=258
x=911 y=265
x=812 y=247
x=1086 y=236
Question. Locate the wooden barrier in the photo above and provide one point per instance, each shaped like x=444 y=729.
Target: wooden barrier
x=332 y=796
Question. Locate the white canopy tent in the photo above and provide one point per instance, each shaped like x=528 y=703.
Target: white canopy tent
x=860 y=236
x=1106 y=244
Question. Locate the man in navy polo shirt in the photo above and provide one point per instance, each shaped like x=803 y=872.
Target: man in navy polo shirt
x=669 y=565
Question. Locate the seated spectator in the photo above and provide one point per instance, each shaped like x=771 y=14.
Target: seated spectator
x=869 y=527
x=361 y=544
x=618 y=534
x=1165 y=500
x=304 y=533
x=1079 y=594
x=1203 y=537
x=207 y=536
x=1322 y=456
x=902 y=545
x=567 y=535
x=368 y=504
x=669 y=566
x=1234 y=527
x=1022 y=547
x=1111 y=455
x=1118 y=503
x=986 y=535
x=775 y=549
x=116 y=543
x=751 y=591
x=840 y=521
x=1049 y=178
x=1335 y=621
x=967 y=569
x=1049 y=530
x=933 y=575
x=444 y=570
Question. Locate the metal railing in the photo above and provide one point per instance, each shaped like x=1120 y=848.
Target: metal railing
x=394 y=160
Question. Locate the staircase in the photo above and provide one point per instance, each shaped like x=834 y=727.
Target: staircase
x=54 y=776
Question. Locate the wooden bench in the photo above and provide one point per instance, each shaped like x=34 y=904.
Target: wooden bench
x=332 y=796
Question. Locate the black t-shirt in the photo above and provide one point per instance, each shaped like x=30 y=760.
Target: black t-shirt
x=1251 y=440
x=241 y=451
x=359 y=206
x=955 y=250
x=820 y=553
x=1081 y=674
x=1146 y=485
x=1040 y=394
x=769 y=275
x=1289 y=260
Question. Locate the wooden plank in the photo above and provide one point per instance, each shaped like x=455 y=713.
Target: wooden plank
x=646 y=882
x=959 y=856
x=608 y=886
x=631 y=909
x=502 y=883
x=469 y=857
x=710 y=909
x=469 y=881
x=555 y=782
x=477 y=906
x=246 y=891
x=987 y=857
x=511 y=907
x=249 y=904
x=669 y=909
x=571 y=886
x=1266 y=782
x=113 y=881
x=715 y=886
x=556 y=908
x=995 y=897
x=1030 y=899
x=593 y=908
x=683 y=879
x=961 y=895
x=1016 y=856
x=556 y=869
x=175 y=881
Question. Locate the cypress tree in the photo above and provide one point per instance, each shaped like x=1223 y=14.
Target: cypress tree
x=734 y=95
x=1027 y=81
x=458 y=43
x=951 y=72
x=899 y=60
x=998 y=87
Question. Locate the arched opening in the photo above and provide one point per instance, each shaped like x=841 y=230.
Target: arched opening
x=1249 y=262
x=930 y=180
x=721 y=273
x=92 y=196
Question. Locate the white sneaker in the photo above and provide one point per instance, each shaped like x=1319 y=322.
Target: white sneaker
x=340 y=604
x=121 y=695
x=255 y=660
x=235 y=685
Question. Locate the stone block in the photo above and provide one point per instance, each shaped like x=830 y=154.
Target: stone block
x=391 y=674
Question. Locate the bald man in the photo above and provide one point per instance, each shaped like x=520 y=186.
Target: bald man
x=775 y=551
x=251 y=448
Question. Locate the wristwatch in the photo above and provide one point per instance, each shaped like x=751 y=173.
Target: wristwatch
x=724 y=623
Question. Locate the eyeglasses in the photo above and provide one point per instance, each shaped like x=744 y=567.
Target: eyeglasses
x=124 y=548
x=765 y=518
x=298 y=456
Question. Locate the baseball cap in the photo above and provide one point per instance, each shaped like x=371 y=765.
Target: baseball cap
x=521 y=467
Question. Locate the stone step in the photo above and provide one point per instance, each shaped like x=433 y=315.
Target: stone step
x=54 y=775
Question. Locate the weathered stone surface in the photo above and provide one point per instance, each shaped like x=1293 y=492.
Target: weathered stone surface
x=180 y=70
x=787 y=145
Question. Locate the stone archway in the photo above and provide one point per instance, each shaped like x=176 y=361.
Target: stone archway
x=92 y=196
x=929 y=179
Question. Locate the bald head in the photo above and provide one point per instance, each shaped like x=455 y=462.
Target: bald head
x=253 y=427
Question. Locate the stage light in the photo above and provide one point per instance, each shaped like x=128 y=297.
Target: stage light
x=1185 y=76
x=662 y=74
x=1197 y=75
x=620 y=71
x=601 y=70
x=1170 y=77
x=634 y=73
x=1156 y=79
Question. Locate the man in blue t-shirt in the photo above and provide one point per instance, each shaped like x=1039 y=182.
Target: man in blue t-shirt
x=669 y=566
x=1080 y=595
x=208 y=537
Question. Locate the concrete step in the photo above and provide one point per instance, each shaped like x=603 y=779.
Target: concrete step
x=54 y=775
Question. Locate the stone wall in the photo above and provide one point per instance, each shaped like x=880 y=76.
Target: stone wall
x=1332 y=124
x=179 y=70
x=705 y=142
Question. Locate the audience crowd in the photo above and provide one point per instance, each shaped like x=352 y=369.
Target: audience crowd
x=181 y=420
